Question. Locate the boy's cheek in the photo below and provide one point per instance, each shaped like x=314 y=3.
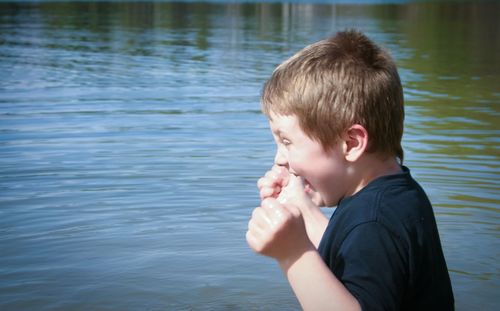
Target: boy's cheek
x=300 y=166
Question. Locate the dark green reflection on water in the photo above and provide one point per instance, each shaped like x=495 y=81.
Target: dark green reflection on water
x=456 y=53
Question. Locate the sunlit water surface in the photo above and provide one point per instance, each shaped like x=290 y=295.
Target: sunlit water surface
x=131 y=140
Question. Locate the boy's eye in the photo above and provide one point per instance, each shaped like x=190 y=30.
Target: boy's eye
x=285 y=142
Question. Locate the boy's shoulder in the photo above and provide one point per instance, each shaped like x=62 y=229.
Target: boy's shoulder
x=396 y=202
x=396 y=195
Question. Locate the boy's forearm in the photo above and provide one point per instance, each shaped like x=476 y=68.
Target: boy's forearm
x=316 y=223
x=315 y=285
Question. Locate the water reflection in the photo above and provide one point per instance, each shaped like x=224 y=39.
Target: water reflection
x=131 y=139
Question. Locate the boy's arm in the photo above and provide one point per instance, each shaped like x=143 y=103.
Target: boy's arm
x=315 y=286
x=314 y=219
x=278 y=231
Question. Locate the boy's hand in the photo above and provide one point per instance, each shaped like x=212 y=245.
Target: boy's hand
x=276 y=179
x=295 y=195
x=278 y=231
x=294 y=192
x=273 y=182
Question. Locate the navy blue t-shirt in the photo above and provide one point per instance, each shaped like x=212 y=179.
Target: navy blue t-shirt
x=383 y=244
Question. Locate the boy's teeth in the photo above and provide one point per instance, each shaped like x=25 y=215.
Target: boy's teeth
x=307 y=186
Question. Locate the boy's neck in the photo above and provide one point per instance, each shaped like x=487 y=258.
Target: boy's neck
x=370 y=167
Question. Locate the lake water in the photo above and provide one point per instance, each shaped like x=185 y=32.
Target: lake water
x=131 y=140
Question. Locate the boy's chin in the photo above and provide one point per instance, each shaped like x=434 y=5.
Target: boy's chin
x=316 y=198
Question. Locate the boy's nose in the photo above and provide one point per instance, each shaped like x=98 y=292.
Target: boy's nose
x=280 y=158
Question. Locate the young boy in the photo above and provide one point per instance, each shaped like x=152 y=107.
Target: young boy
x=336 y=112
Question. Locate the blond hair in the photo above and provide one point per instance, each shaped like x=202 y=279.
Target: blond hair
x=338 y=82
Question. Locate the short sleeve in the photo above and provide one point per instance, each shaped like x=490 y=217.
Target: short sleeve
x=371 y=263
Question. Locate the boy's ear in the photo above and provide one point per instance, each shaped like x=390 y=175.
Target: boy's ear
x=355 y=142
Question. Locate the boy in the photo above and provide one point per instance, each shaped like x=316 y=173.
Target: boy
x=336 y=112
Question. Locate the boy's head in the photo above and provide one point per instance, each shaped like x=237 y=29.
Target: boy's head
x=336 y=83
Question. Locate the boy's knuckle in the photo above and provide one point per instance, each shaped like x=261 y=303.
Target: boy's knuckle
x=259 y=182
x=248 y=237
x=250 y=225
x=268 y=203
x=272 y=176
x=264 y=195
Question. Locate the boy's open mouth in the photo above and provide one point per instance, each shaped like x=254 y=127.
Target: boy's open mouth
x=307 y=187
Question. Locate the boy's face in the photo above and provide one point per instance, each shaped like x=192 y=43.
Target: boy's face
x=323 y=171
